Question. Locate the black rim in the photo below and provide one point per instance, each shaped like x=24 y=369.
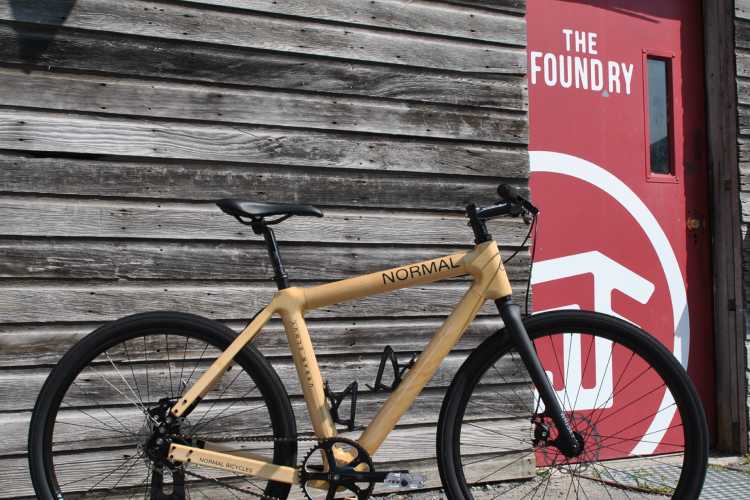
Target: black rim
x=613 y=434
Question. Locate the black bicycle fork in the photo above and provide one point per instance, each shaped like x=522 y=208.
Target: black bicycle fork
x=567 y=441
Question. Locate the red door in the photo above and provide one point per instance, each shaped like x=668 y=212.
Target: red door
x=617 y=152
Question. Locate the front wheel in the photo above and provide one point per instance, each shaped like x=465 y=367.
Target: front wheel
x=627 y=398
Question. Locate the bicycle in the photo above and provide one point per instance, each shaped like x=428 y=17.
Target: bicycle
x=128 y=425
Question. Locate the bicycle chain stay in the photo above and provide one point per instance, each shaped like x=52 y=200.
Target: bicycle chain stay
x=228 y=439
x=255 y=439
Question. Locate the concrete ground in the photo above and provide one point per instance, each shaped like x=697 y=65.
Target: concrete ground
x=727 y=478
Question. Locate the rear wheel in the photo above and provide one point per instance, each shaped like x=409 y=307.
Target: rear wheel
x=94 y=426
x=632 y=405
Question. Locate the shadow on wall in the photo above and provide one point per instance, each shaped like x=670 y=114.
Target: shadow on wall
x=625 y=7
x=34 y=41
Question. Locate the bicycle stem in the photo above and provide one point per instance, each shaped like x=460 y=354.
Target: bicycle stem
x=566 y=441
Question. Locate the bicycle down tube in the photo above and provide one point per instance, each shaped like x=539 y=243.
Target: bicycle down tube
x=490 y=282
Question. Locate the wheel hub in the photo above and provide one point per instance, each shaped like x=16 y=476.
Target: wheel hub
x=542 y=437
x=162 y=426
x=584 y=431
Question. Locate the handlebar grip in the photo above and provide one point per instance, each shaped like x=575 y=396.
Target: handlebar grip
x=511 y=195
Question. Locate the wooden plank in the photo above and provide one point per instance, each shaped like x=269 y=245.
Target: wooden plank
x=90 y=427
x=106 y=386
x=742 y=9
x=744 y=176
x=43 y=345
x=402 y=444
x=742 y=59
x=743 y=115
x=180 y=22
x=743 y=149
x=57 y=217
x=225 y=104
x=518 y=6
x=83 y=301
x=131 y=260
x=406 y=15
x=188 y=180
x=721 y=106
x=159 y=58
x=742 y=33
x=74 y=133
x=743 y=91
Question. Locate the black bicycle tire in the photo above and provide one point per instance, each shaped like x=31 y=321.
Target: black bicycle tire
x=253 y=362
x=646 y=346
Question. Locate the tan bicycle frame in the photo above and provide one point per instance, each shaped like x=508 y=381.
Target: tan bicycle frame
x=490 y=282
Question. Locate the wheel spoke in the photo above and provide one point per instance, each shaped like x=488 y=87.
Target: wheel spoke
x=128 y=430
x=617 y=414
x=105 y=408
x=141 y=408
x=169 y=366
x=139 y=404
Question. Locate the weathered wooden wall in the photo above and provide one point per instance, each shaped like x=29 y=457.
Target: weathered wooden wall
x=722 y=110
x=742 y=61
x=120 y=121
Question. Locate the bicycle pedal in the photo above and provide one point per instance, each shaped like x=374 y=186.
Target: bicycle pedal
x=404 y=480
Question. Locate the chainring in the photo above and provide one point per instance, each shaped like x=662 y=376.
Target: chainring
x=322 y=476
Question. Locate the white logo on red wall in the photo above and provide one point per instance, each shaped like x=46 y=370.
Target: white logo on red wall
x=579 y=66
x=608 y=276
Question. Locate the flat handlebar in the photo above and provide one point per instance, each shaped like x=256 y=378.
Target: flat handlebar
x=512 y=204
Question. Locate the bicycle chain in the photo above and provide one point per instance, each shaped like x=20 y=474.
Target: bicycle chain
x=229 y=486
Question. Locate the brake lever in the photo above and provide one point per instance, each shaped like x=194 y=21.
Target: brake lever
x=515 y=210
x=520 y=210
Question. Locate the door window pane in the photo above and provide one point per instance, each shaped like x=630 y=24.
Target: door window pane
x=659 y=119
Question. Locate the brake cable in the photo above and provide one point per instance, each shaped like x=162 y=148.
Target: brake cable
x=535 y=226
x=532 y=229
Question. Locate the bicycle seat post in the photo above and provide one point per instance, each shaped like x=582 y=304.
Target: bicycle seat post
x=260 y=227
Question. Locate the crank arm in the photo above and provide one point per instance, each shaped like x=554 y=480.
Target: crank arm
x=355 y=476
